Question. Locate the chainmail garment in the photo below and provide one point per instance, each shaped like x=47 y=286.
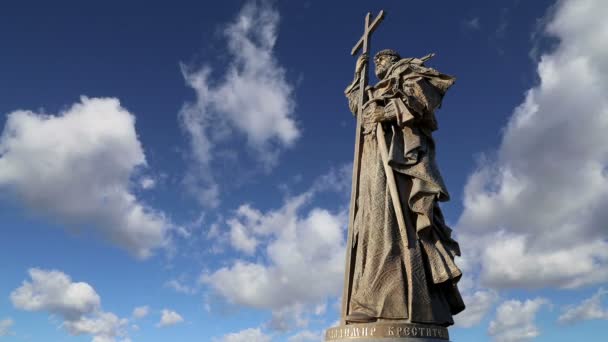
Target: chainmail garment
x=381 y=283
x=390 y=281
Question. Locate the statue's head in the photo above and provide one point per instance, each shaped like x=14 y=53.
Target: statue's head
x=383 y=60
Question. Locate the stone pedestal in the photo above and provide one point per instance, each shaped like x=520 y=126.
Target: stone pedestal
x=387 y=332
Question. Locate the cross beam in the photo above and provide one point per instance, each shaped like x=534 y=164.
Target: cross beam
x=369 y=29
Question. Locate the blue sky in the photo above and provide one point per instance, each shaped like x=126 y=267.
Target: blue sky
x=183 y=172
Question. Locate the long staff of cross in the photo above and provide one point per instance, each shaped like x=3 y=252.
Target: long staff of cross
x=364 y=45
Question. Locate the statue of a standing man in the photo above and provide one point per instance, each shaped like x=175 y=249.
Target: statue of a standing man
x=401 y=272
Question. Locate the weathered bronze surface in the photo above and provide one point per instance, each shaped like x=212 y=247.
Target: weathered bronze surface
x=400 y=253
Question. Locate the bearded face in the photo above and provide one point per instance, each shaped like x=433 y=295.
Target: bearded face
x=383 y=63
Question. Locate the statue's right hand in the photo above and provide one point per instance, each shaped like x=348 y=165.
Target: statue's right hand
x=361 y=61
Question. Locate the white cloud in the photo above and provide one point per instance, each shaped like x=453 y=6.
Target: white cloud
x=310 y=242
x=240 y=239
x=54 y=291
x=295 y=242
x=590 y=308
x=249 y=224
x=77 y=303
x=252 y=98
x=478 y=304
x=304 y=336
x=338 y=179
x=539 y=207
x=180 y=287
x=472 y=24
x=514 y=320
x=76 y=166
x=104 y=326
x=320 y=309
x=5 y=326
x=288 y=317
x=288 y=242
x=247 y=335
x=147 y=182
x=141 y=311
x=169 y=318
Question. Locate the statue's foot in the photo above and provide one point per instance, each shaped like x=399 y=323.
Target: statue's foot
x=359 y=317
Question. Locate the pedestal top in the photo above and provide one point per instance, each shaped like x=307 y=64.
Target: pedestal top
x=387 y=332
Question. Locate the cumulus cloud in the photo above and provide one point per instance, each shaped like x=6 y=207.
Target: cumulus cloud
x=313 y=242
x=76 y=303
x=479 y=300
x=180 y=287
x=590 y=308
x=304 y=251
x=141 y=311
x=247 y=335
x=471 y=24
x=338 y=179
x=515 y=320
x=54 y=291
x=5 y=326
x=288 y=317
x=240 y=238
x=287 y=243
x=76 y=167
x=253 y=99
x=249 y=225
x=304 y=336
x=104 y=326
x=147 y=182
x=478 y=304
x=169 y=318
x=538 y=208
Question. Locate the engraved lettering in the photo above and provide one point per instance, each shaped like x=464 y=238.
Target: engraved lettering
x=386 y=330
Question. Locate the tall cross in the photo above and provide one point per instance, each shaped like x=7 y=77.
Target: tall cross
x=363 y=44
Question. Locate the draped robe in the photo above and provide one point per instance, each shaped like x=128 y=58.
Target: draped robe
x=403 y=275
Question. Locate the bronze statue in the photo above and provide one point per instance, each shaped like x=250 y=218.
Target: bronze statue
x=400 y=253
